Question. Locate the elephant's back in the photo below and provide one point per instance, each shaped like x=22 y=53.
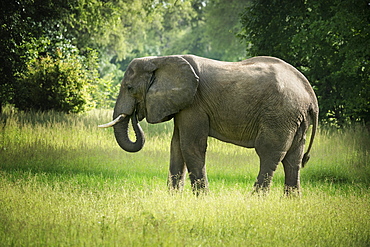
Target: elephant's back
x=280 y=78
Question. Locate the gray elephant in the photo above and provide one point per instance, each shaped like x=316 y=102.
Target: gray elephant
x=262 y=103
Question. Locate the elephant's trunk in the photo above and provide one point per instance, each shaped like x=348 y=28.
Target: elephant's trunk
x=121 y=134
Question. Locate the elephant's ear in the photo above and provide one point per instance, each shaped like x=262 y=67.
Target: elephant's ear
x=173 y=89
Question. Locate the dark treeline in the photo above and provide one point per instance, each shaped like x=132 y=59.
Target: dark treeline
x=70 y=55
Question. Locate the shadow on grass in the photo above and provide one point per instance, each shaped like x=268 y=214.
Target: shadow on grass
x=89 y=167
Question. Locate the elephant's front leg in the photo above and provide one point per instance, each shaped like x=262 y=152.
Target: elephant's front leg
x=195 y=162
x=193 y=132
x=177 y=164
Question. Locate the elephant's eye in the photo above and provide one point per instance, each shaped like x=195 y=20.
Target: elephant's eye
x=129 y=87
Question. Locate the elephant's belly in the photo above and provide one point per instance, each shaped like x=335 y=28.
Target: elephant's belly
x=239 y=140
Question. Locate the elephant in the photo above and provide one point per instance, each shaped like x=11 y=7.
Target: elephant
x=262 y=103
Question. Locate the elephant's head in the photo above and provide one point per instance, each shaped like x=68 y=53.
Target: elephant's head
x=154 y=88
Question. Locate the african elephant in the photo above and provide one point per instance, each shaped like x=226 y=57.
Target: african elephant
x=262 y=103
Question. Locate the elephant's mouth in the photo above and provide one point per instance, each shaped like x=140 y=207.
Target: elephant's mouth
x=169 y=117
x=140 y=111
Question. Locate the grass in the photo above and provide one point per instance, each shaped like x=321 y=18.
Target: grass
x=64 y=182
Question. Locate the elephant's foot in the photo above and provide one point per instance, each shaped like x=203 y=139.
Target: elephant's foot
x=292 y=191
x=175 y=183
x=262 y=185
x=261 y=190
x=200 y=186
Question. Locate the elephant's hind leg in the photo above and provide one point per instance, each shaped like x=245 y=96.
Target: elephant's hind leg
x=293 y=160
x=292 y=171
x=271 y=148
x=268 y=165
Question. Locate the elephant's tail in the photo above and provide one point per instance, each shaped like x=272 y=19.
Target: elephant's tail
x=315 y=118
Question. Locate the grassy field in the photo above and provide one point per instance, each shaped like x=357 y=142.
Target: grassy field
x=64 y=182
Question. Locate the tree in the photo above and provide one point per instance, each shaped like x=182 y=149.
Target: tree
x=20 y=22
x=325 y=40
x=34 y=29
x=25 y=25
x=58 y=81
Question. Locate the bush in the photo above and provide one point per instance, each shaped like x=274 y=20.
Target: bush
x=58 y=81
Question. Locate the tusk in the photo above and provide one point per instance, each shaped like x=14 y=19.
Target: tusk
x=114 y=122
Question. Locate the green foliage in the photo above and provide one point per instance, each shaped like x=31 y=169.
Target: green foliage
x=20 y=23
x=63 y=182
x=325 y=40
x=58 y=82
x=30 y=32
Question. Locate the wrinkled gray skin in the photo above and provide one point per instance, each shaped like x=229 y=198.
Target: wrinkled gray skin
x=262 y=103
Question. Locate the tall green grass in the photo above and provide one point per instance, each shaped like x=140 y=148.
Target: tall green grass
x=64 y=182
